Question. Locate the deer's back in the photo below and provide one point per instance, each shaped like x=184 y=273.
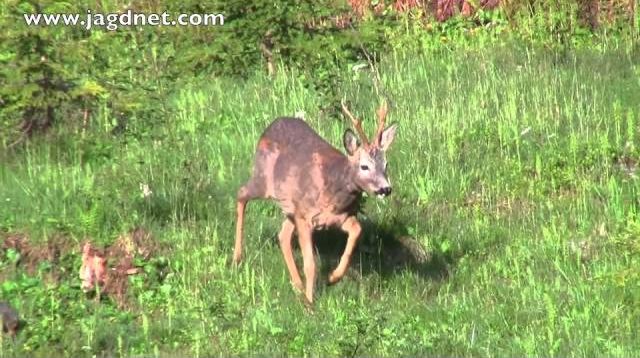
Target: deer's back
x=301 y=170
x=291 y=133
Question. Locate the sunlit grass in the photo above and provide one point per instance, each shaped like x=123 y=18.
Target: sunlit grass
x=514 y=168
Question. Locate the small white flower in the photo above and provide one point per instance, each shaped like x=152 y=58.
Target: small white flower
x=299 y=114
x=146 y=192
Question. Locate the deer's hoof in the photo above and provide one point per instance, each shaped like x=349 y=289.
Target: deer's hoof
x=297 y=286
x=308 y=307
x=334 y=278
x=308 y=304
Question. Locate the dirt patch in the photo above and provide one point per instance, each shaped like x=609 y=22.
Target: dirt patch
x=111 y=267
x=32 y=255
x=108 y=267
x=137 y=242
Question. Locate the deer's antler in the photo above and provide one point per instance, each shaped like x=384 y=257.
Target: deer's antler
x=357 y=123
x=382 y=118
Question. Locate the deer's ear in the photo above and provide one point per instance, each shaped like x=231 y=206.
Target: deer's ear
x=350 y=141
x=387 y=137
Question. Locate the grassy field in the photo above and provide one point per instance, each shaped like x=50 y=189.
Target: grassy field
x=514 y=167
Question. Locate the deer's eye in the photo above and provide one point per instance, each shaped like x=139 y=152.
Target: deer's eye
x=364 y=167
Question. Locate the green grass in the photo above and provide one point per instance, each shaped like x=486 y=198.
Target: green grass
x=506 y=168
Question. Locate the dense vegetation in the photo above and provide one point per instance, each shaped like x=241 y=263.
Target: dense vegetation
x=515 y=168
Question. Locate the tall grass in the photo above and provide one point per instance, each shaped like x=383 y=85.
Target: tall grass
x=514 y=167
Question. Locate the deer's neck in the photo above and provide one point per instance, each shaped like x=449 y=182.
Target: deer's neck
x=345 y=189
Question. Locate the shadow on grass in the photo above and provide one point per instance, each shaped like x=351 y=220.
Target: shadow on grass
x=385 y=250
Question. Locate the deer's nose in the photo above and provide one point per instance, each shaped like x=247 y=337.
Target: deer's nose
x=384 y=191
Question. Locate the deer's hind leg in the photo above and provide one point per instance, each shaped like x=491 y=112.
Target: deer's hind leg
x=259 y=186
x=247 y=192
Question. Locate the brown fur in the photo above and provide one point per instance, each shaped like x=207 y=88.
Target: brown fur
x=316 y=187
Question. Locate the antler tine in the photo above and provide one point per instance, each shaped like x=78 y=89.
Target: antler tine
x=357 y=123
x=382 y=118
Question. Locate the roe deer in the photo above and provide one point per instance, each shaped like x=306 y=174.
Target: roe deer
x=316 y=186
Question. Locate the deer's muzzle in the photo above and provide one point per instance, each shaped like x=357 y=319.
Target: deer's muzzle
x=384 y=191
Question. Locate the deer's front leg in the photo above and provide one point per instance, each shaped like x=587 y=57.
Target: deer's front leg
x=353 y=229
x=306 y=245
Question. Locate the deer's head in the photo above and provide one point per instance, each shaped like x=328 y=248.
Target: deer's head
x=367 y=157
